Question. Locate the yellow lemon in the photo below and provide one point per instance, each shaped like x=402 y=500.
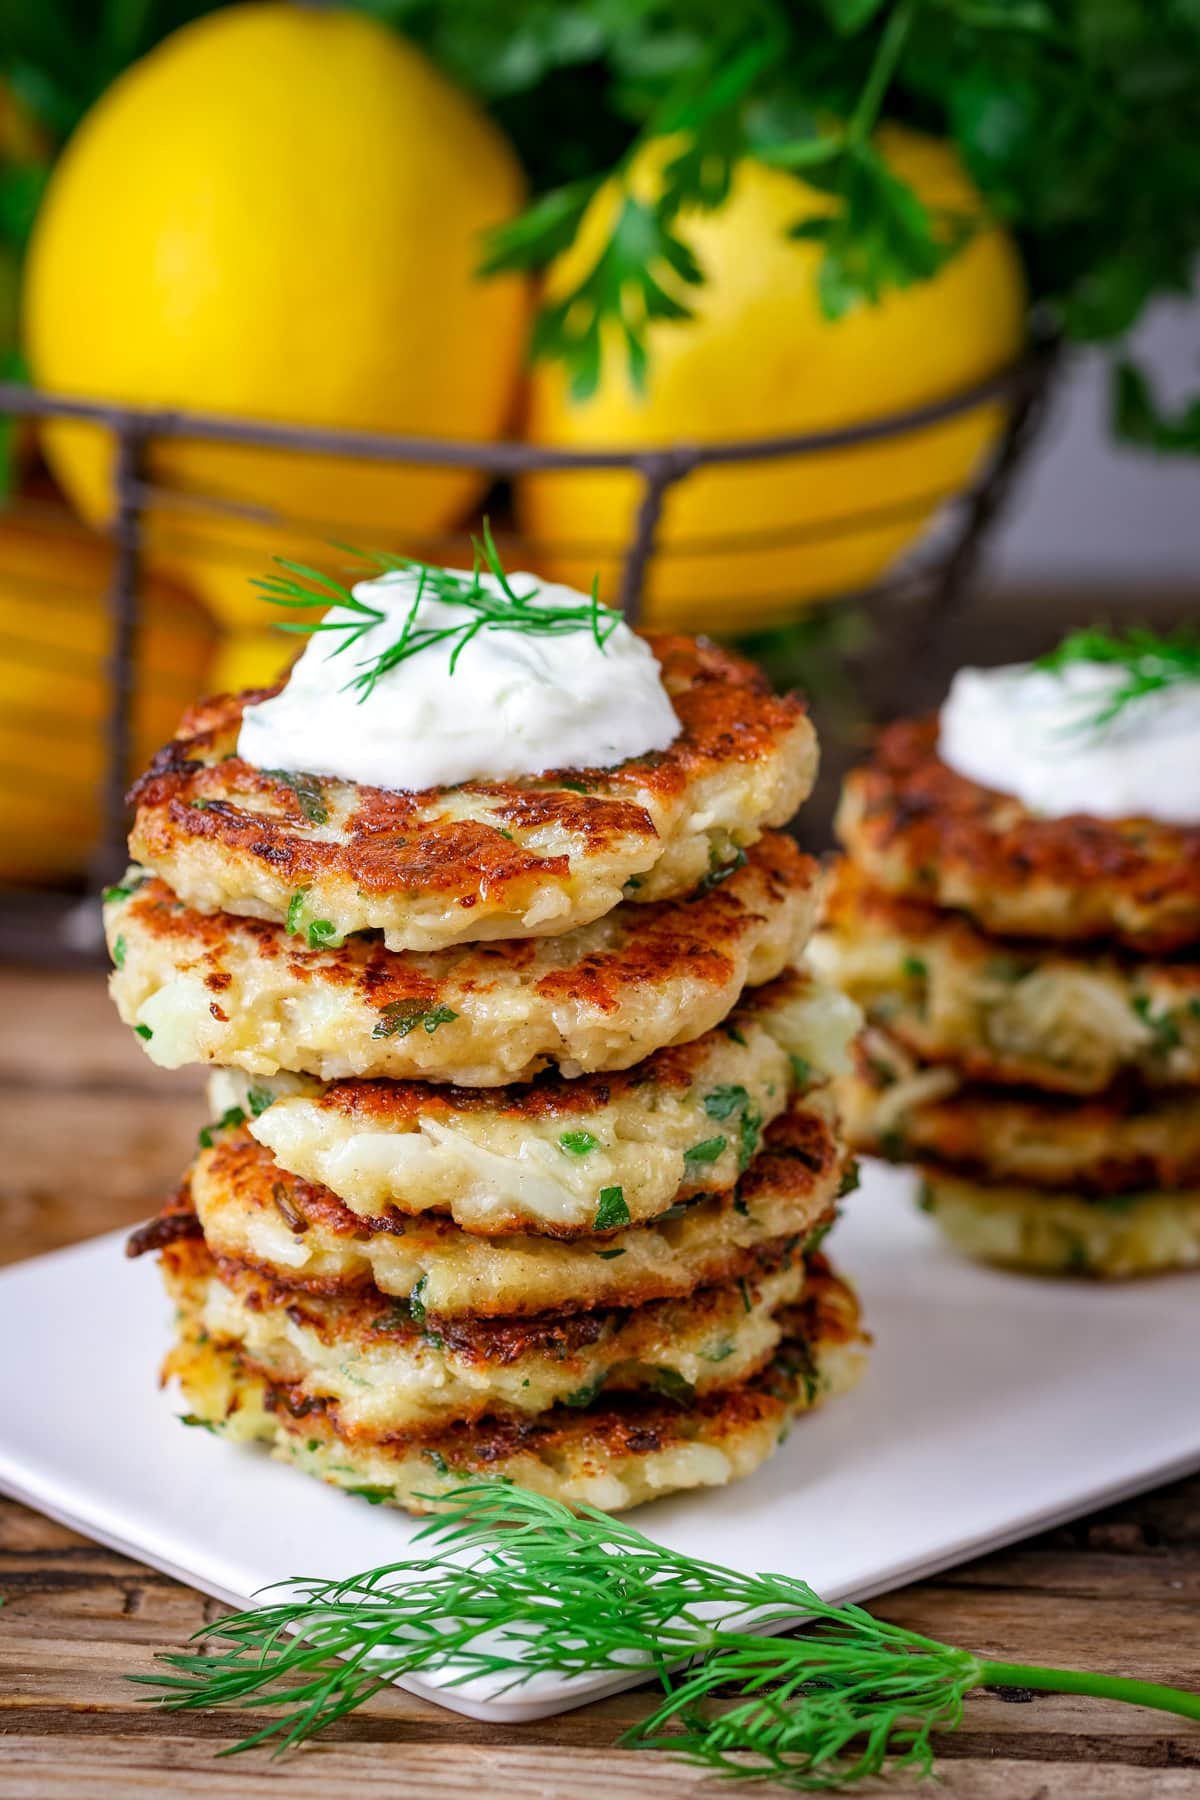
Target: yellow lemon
x=54 y=687
x=252 y=659
x=278 y=213
x=745 y=546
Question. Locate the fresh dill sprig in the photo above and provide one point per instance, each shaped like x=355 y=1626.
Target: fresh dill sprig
x=1151 y=661
x=307 y=590
x=520 y=1585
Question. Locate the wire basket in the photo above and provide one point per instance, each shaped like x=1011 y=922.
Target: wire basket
x=44 y=911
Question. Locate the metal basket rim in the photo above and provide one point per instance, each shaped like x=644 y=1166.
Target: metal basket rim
x=511 y=456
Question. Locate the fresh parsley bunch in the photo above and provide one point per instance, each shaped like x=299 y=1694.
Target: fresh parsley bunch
x=1078 y=120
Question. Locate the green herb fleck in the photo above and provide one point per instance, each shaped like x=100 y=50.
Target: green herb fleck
x=416 y=1305
x=200 y=1424
x=724 y=1102
x=118 y=953
x=121 y=890
x=719 y=871
x=295 y=908
x=144 y=1031
x=374 y=1496
x=583 y=1396
x=612 y=1212
x=258 y=1100
x=400 y=1017
x=323 y=934
x=307 y=790
x=232 y=1117
x=609 y=1255
x=700 y=1155
x=578 y=1143
x=801 y=1069
x=1161 y=1025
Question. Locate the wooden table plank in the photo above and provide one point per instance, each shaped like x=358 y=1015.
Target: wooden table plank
x=92 y=1136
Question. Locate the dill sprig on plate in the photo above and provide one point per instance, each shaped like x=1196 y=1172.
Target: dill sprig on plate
x=308 y=589
x=520 y=1585
x=1150 y=661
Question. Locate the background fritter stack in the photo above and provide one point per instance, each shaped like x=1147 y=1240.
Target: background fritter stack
x=1032 y=990
x=523 y=1139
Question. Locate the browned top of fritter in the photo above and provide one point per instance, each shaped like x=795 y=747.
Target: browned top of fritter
x=666 y=940
x=626 y=1424
x=920 y=828
x=389 y=841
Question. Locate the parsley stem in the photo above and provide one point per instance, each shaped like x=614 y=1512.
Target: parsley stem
x=1086 y=1681
x=879 y=77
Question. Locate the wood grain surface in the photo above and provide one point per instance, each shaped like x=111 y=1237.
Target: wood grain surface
x=91 y=1136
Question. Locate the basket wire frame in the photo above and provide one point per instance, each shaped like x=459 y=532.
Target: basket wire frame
x=917 y=596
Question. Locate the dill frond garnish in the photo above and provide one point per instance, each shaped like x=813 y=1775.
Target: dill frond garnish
x=1150 y=662
x=309 y=590
x=520 y=1585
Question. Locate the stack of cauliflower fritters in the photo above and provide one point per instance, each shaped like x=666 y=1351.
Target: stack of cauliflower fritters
x=524 y=1140
x=1032 y=988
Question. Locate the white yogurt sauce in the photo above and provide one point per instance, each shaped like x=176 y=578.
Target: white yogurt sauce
x=1026 y=732
x=516 y=703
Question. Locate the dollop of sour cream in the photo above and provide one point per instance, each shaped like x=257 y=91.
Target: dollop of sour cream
x=515 y=704
x=1030 y=732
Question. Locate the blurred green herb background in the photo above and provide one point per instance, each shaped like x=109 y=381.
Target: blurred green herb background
x=1079 y=121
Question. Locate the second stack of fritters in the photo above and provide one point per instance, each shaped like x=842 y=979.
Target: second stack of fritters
x=1032 y=987
x=523 y=1141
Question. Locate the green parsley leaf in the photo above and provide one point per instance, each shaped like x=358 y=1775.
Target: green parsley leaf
x=323 y=934
x=400 y=1017
x=308 y=791
x=295 y=908
x=612 y=1212
x=578 y=1143
x=700 y=1155
x=144 y=1031
x=723 y=1102
x=232 y=1117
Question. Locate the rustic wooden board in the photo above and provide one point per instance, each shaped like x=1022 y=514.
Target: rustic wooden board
x=91 y=1136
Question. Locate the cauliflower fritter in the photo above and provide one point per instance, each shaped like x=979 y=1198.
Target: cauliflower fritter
x=375 y=1371
x=1059 y=1233
x=918 y=829
x=503 y=1160
x=1121 y=1142
x=241 y=993
x=1010 y=1011
x=614 y=1454
x=250 y=1210
x=484 y=860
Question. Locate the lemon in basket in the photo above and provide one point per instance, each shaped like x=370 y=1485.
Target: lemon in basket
x=745 y=546
x=54 y=687
x=277 y=213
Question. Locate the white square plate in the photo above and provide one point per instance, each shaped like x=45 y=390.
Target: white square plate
x=994 y=1406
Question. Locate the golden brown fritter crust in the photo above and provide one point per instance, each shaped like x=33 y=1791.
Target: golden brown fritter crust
x=252 y=1211
x=486 y=859
x=616 y=1453
x=244 y=993
x=917 y=828
x=1066 y=1018
x=1122 y=1142
x=1108 y=1238
x=375 y=1370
